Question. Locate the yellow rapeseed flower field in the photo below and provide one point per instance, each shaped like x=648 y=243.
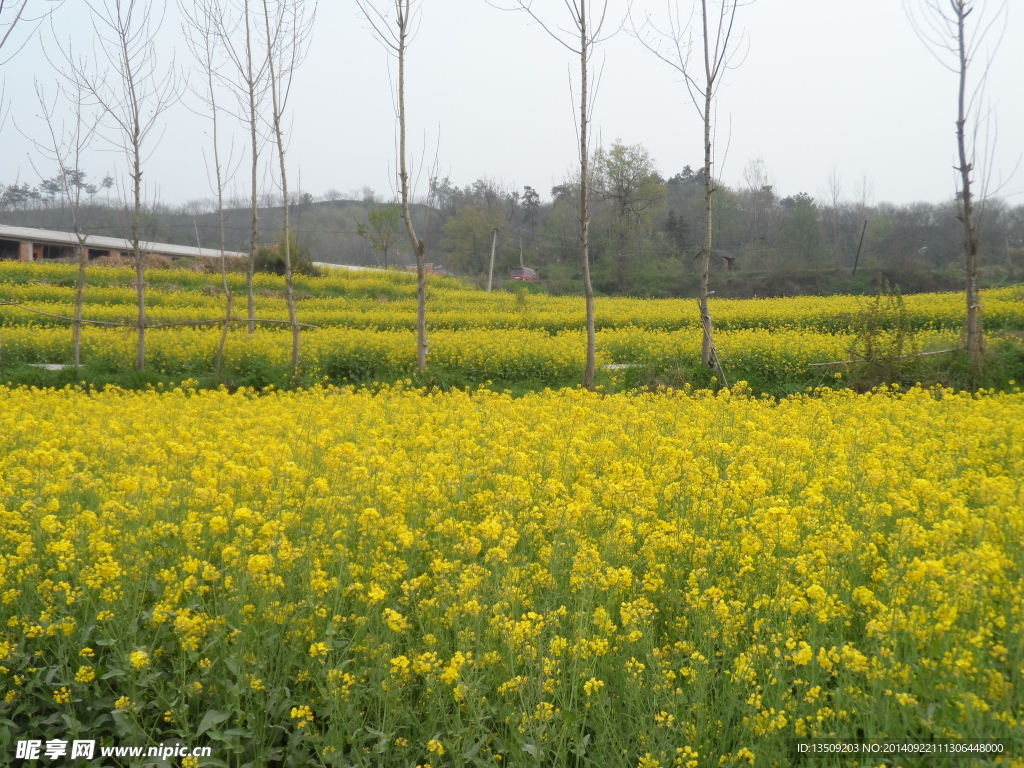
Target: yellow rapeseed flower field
x=363 y=331
x=335 y=577
x=386 y=301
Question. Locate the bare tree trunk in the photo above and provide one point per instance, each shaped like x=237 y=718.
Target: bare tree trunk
x=702 y=93
x=588 y=289
x=589 y=30
x=279 y=137
x=707 y=345
x=134 y=101
x=230 y=298
x=254 y=237
x=79 y=299
x=66 y=149
x=975 y=338
x=403 y=10
x=140 y=265
x=941 y=26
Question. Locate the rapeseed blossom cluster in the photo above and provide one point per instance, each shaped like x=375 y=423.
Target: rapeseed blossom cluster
x=675 y=579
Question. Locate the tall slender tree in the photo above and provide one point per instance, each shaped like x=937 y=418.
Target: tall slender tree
x=133 y=92
x=201 y=20
x=954 y=32
x=395 y=29
x=65 y=145
x=237 y=27
x=286 y=26
x=581 y=36
x=671 y=41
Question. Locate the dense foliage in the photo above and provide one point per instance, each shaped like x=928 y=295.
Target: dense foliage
x=646 y=231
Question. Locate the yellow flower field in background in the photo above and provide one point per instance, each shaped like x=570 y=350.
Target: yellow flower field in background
x=386 y=301
x=336 y=577
x=362 y=331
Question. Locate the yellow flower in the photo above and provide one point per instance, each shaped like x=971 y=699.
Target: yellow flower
x=63 y=696
x=803 y=654
x=260 y=565
x=686 y=757
x=745 y=754
x=85 y=674
x=319 y=650
x=436 y=747
x=304 y=715
x=123 y=703
x=139 y=659
x=396 y=621
x=816 y=592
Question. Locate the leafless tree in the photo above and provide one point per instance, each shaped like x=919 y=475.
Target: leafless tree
x=581 y=35
x=287 y=26
x=672 y=42
x=201 y=20
x=64 y=146
x=834 y=188
x=957 y=30
x=395 y=30
x=133 y=92
x=236 y=26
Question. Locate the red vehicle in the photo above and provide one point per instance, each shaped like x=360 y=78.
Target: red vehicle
x=525 y=273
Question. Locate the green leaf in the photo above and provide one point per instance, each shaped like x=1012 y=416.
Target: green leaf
x=210 y=719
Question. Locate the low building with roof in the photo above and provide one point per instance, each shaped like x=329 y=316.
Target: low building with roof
x=28 y=244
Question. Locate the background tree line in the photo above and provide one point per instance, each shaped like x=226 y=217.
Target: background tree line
x=647 y=230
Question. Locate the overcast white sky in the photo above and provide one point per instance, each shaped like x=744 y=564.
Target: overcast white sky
x=825 y=83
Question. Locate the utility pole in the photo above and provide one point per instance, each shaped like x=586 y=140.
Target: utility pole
x=494 y=245
x=521 y=248
x=856 y=259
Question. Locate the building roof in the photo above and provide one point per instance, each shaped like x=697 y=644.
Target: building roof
x=328 y=265
x=53 y=237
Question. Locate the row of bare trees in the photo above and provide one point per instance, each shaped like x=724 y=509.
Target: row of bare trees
x=262 y=42
x=117 y=91
x=582 y=25
x=580 y=28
